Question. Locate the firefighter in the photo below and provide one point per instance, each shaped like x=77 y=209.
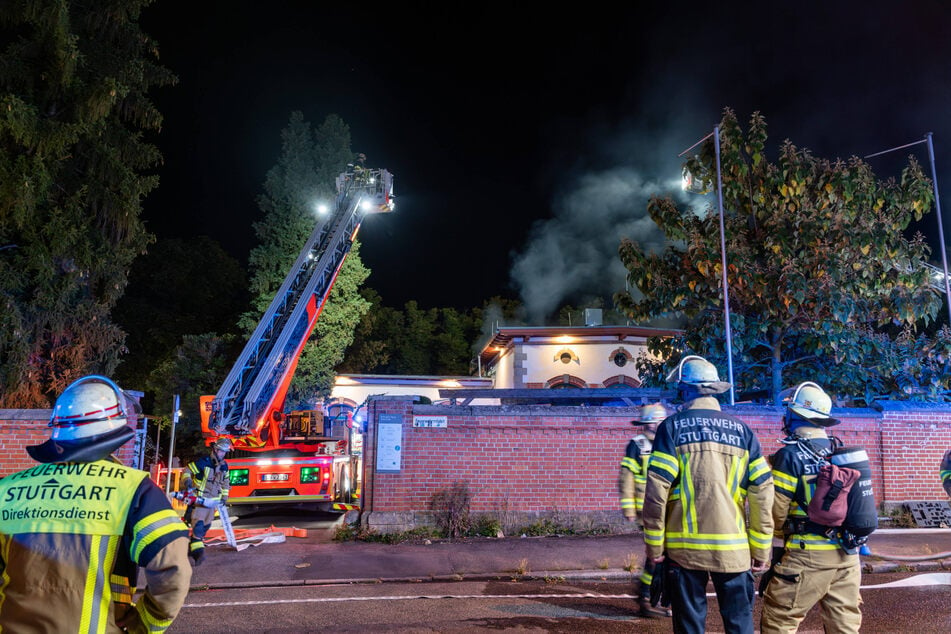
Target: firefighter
x=76 y=528
x=808 y=567
x=207 y=478
x=946 y=472
x=704 y=467
x=631 y=484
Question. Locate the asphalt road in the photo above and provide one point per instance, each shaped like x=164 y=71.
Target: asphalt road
x=552 y=605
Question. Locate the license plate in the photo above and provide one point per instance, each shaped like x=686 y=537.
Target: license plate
x=275 y=477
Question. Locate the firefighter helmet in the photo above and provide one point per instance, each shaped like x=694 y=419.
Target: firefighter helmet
x=810 y=402
x=650 y=414
x=222 y=444
x=89 y=421
x=699 y=375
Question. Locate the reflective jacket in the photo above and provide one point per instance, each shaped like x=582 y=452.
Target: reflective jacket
x=946 y=472
x=794 y=475
x=209 y=477
x=72 y=536
x=704 y=468
x=633 y=476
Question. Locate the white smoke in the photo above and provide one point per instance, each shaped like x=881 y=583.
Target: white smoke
x=573 y=256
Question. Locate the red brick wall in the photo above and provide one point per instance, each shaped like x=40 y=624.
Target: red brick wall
x=531 y=458
x=20 y=427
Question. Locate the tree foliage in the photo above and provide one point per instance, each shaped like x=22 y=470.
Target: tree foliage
x=310 y=161
x=415 y=340
x=823 y=280
x=74 y=79
x=181 y=287
x=195 y=368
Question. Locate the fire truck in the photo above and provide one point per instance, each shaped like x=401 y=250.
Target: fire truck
x=308 y=458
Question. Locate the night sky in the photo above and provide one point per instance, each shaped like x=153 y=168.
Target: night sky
x=526 y=142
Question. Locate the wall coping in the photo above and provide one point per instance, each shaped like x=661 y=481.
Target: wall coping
x=38 y=415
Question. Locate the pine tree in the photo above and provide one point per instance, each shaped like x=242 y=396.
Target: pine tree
x=74 y=167
x=306 y=172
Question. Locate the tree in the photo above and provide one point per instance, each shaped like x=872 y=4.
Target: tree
x=821 y=275
x=196 y=368
x=304 y=174
x=180 y=287
x=73 y=172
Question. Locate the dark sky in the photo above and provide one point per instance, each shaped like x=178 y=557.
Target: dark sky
x=525 y=142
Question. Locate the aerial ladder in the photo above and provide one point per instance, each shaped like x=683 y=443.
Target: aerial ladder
x=291 y=450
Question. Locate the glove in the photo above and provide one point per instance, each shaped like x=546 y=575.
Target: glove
x=657 y=585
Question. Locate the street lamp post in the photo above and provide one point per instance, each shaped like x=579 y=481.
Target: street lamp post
x=726 y=286
x=937 y=202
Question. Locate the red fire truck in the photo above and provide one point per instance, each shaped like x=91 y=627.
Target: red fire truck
x=303 y=458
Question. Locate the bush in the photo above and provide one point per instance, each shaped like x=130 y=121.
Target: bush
x=450 y=509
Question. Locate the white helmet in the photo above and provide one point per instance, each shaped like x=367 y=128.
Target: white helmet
x=810 y=402
x=650 y=414
x=89 y=421
x=697 y=373
x=91 y=406
x=223 y=443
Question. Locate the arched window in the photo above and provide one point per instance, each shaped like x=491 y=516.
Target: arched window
x=564 y=381
x=621 y=380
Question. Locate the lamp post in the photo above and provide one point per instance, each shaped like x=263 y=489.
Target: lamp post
x=726 y=286
x=937 y=202
x=176 y=412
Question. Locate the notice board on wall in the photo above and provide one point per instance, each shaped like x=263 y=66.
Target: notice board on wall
x=389 y=443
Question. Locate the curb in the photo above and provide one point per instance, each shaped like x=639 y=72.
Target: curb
x=578 y=575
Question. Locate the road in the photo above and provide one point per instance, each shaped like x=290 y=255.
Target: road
x=552 y=605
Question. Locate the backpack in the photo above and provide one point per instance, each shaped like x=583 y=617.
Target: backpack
x=843 y=503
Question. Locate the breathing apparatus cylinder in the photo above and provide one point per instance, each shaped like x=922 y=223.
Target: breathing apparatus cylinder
x=862 y=516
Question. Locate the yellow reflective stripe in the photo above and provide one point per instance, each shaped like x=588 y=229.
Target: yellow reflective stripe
x=688 y=496
x=706 y=541
x=757 y=468
x=653 y=537
x=665 y=462
x=122 y=590
x=760 y=540
x=97 y=612
x=196 y=545
x=639 y=505
x=811 y=541
x=733 y=478
x=627 y=503
x=151 y=527
x=646 y=578
x=150 y=621
x=784 y=481
x=631 y=464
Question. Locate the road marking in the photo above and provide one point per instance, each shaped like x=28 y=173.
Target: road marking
x=928 y=579
x=587 y=595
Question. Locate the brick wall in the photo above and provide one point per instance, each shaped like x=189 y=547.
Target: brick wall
x=22 y=427
x=539 y=459
x=535 y=460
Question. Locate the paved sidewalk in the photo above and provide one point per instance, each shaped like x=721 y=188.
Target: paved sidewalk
x=303 y=561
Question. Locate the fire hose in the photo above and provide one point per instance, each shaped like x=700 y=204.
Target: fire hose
x=192 y=499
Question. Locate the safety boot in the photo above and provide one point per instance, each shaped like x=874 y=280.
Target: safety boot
x=649 y=611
